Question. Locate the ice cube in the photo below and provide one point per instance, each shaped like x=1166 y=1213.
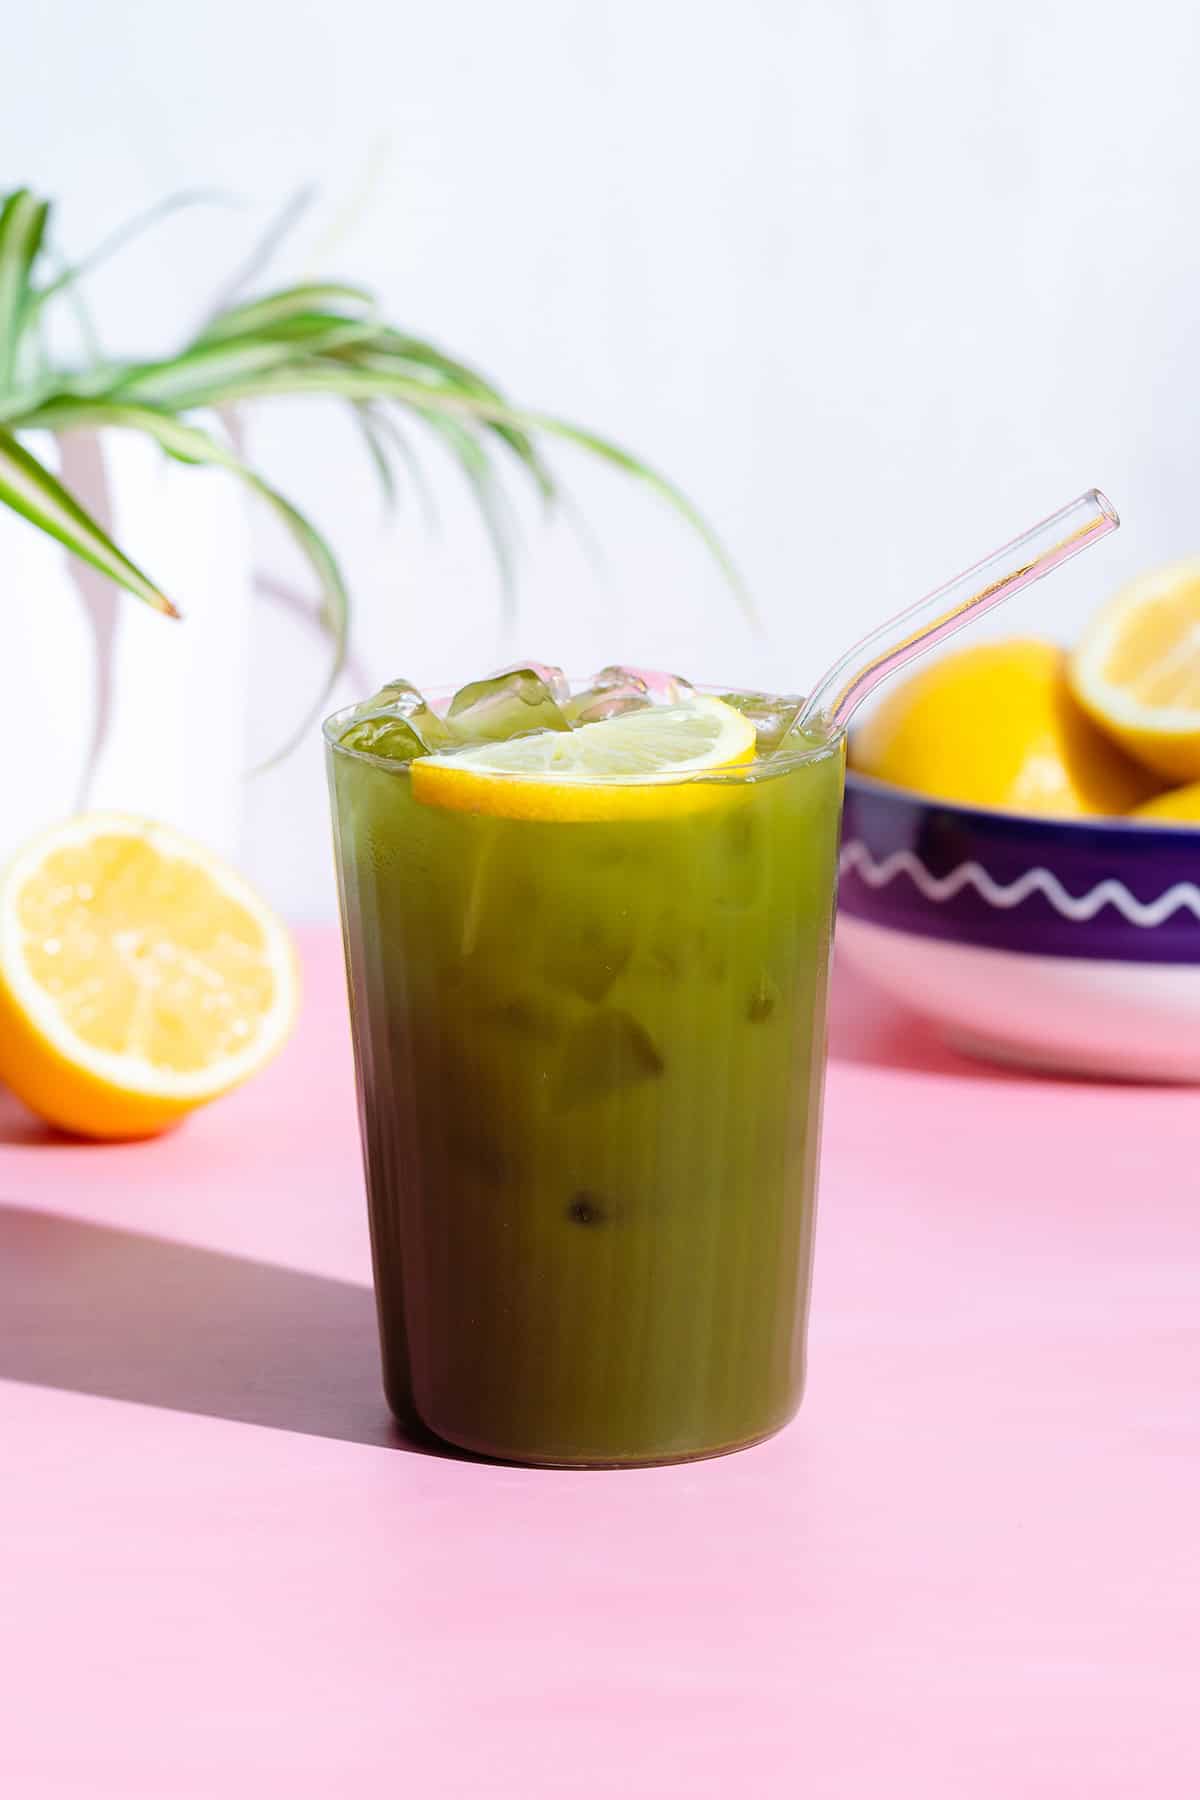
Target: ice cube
x=397 y=696
x=385 y=734
x=682 y=947
x=553 y=677
x=660 y=688
x=401 y=699
x=619 y=690
x=597 y=703
x=584 y=951
x=525 y=1017
x=528 y=697
x=740 y=859
x=772 y=715
x=604 y=1055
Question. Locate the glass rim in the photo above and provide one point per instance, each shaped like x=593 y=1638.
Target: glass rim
x=775 y=763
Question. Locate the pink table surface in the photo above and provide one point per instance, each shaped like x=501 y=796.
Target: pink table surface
x=969 y=1569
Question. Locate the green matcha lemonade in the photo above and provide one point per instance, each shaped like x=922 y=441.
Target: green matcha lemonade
x=587 y=935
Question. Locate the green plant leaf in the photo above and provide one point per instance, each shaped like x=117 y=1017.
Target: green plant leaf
x=309 y=338
x=659 y=485
x=22 y=227
x=400 y=354
x=72 y=297
x=192 y=444
x=494 y=513
x=179 y=383
x=21 y=411
x=376 y=447
x=365 y=346
x=387 y=429
x=378 y=383
x=125 y=234
x=266 y=314
x=265 y=246
x=199 y=375
x=313 y=332
x=37 y=495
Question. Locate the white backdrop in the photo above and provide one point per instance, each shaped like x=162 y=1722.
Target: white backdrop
x=879 y=284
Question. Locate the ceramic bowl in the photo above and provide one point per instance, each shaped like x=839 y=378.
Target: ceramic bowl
x=1068 y=945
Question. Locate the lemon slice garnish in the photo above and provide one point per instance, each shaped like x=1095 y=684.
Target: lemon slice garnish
x=636 y=764
x=139 y=977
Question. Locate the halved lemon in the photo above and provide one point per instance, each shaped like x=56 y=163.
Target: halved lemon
x=1137 y=670
x=1179 y=806
x=996 y=725
x=633 y=765
x=139 y=977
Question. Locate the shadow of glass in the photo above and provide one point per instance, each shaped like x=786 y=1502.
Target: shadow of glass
x=96 y=1310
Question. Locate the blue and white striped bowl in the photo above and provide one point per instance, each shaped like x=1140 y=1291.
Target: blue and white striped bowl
x=1060 y=944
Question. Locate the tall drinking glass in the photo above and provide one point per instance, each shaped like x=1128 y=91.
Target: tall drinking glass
x=590 y=1057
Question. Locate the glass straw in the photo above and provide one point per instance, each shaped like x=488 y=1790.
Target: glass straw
x=842 y=690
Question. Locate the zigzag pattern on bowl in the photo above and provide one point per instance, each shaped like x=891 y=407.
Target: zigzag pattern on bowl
x=938 y=889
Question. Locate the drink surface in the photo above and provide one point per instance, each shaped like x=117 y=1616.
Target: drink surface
x=590 y=1055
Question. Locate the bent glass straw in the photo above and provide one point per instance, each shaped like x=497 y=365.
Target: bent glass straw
x=842 y=690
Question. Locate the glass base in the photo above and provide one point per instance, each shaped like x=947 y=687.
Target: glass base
x=527 y=1460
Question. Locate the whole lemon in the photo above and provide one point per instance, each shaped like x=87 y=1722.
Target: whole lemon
x=996 y=725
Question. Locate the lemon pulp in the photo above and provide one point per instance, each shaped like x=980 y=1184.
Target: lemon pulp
x=138 y=977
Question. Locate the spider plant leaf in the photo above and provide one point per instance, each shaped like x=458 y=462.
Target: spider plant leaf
x=72 y=297
x=37 y=495
x=659 y=485
x=22 y=227
x=387 y=428
x=497 y=520
x=192 y=444
x=124 y=234
x=312 y=333
x=394 y=351
x=529 y=457
x=335 y=603
x=414 y=349
x=268 y=313
x=377 y=383
x=375 y=445
x=198 y=377
x=22 y=411
x=268 y=242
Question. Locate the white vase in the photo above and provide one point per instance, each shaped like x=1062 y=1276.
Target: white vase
x=105 y=702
